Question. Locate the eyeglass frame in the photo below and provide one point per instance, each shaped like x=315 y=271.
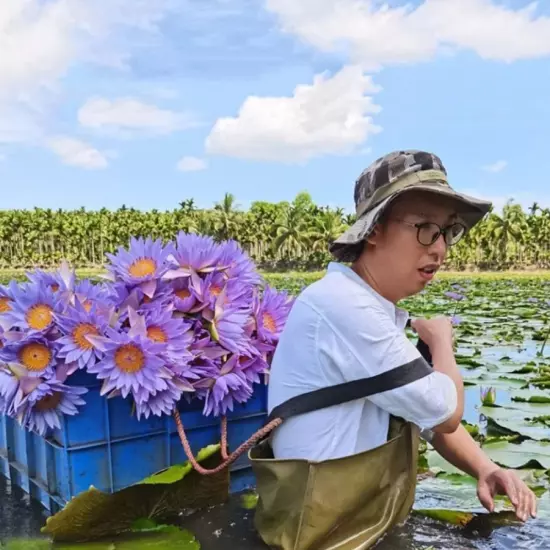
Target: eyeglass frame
x=440 y=230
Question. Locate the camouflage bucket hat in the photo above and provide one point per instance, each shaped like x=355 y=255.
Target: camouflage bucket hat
x=389 y=177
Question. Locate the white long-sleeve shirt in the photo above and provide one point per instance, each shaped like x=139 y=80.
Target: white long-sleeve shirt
x=339 y=330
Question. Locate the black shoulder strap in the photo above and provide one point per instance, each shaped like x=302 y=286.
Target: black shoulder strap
x=356 y=389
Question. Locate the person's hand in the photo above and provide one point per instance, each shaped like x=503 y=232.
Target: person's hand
x=438 y=330
x=499 y=481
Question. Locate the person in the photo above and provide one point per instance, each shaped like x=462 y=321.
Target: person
x=340 y=475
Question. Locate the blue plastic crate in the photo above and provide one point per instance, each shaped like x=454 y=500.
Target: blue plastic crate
x=105 y=446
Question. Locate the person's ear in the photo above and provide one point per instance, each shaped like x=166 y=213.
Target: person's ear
x=374 y=235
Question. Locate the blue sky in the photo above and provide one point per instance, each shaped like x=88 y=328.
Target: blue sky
x=148 y=103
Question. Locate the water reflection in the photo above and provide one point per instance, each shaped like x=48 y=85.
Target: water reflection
x=19 y=515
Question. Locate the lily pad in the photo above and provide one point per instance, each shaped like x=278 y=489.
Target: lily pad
x=93 y=514
x=166 y=538
x=509 y=420
x=528 y=453
x=530 y=396
x=496 y=380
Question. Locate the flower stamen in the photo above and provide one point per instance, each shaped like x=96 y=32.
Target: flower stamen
x=35 y=357
x=129 y=358
x=143 y=267
x=80 y=333
x=50 y=402
x=39 y=316
x=269 y=322
x=156 y=334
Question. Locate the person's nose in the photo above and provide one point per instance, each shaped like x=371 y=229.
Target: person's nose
x=439 y=249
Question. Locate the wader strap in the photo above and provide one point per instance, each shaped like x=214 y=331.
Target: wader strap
x=350 y=391
x=318 y=399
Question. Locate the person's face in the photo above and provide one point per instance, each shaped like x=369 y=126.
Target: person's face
x=400 y=258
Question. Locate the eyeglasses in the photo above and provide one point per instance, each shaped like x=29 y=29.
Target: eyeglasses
x=428 y=232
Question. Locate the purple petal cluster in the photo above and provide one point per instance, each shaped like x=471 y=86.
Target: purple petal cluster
x=187 y=320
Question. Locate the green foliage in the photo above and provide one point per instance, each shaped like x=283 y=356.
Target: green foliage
x=278 y=236
x=94 y=515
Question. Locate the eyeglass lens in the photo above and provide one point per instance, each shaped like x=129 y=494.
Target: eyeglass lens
x=429 y=232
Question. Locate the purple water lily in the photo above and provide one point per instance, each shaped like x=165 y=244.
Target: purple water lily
x=175 y=334
x=76 y=324
x=164 y=401
x=35 y=354
x=228 y=324
x=141 y=265
x=93 y=294
x=32 y=308
x=57 y=281
x=130 y=364
x=240 y=266
x=186 y=320
x=183 y=298
x=225 y=388
x=40 y=410
x=454 y=295
x=8 y=388
x=198 y=253
x=6 y=298
x=271 y=312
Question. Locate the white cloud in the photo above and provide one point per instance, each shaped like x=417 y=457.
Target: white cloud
x=78 y=153
x=375 y=34
x=127 y=115
x=41 y=41
x=497 y=166
x=329 y=116
x=191 y=164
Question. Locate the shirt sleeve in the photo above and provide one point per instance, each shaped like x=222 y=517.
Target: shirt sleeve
x=374 y=344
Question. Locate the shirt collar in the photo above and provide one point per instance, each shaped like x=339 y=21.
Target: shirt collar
x=400 y=315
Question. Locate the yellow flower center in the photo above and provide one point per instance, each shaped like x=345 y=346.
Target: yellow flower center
x=39 y=316
x=269 y=322
x=157 y=334
x=183 y=294
x=143 y=267
x=35 y=356
x=129 y=358
x=80 y=333
x=216 y=290
x=49 y=402
x=4 y=304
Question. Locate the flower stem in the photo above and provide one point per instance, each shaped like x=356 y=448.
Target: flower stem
x=545 y=340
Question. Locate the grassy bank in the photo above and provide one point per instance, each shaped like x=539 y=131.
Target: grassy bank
x=308 y=277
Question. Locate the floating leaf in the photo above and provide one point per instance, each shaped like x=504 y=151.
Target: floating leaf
x=26 y=544
x=509 y=420
x=526 y=454
x=249 y=501
x=529 y=396
x=94 y=514
x=496 y=381
x=454 y=517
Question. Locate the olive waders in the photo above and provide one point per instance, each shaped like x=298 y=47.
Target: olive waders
x=346 y=503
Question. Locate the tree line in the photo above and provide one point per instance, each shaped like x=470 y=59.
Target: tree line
x=278 y=236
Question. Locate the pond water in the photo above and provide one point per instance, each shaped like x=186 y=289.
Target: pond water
x=499 y=343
